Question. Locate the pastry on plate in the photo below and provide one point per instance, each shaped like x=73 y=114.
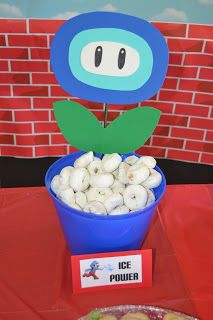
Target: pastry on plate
x=135 y=316
x=97 y=315
x=172 y=316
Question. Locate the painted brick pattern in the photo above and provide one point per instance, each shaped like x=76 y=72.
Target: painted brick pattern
x=28 y=88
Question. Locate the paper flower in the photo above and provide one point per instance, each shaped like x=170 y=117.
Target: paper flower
x=109 y=57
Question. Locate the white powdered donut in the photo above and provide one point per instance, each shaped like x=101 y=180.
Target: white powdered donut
x=74 y=205
x=131 y=160
x=95 y=207
x=114 y=201
x=84 y=160
x=119 y=210
x=80 y=199
x=115 y=173
x=118 y=187
x=111 y=162
x=98 y=194
x=65 y=174
x=122 y=173
x=95 y=167
x=148 y=161
x=137 y=174
x=151 y=197
x=102 y=180
x=79 y=179
x=135 y=197
x=56 y=184
x=67 y=195
x=154 y=180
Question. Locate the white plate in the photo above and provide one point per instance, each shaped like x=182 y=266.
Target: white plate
x=154 y=313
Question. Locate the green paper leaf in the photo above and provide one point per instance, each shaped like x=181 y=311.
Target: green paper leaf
x=131 y=130
x=125 y=134
x=79 y=126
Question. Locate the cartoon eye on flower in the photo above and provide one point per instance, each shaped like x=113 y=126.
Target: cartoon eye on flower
x=114 y=59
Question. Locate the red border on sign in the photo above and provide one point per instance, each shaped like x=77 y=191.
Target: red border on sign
x=146 y=270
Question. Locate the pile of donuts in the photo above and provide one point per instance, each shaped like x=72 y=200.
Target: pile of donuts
x=107 y=186
x=96 y=315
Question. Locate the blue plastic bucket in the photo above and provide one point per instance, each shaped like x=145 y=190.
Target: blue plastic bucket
x=91 y=233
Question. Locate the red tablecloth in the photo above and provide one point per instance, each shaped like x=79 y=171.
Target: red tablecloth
x=35 y=277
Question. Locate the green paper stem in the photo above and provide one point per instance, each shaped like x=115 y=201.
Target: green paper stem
x=105 y=114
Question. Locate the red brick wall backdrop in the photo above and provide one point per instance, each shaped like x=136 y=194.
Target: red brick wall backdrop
x=28 y=88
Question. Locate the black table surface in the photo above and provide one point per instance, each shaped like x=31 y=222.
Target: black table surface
x=19 y=172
